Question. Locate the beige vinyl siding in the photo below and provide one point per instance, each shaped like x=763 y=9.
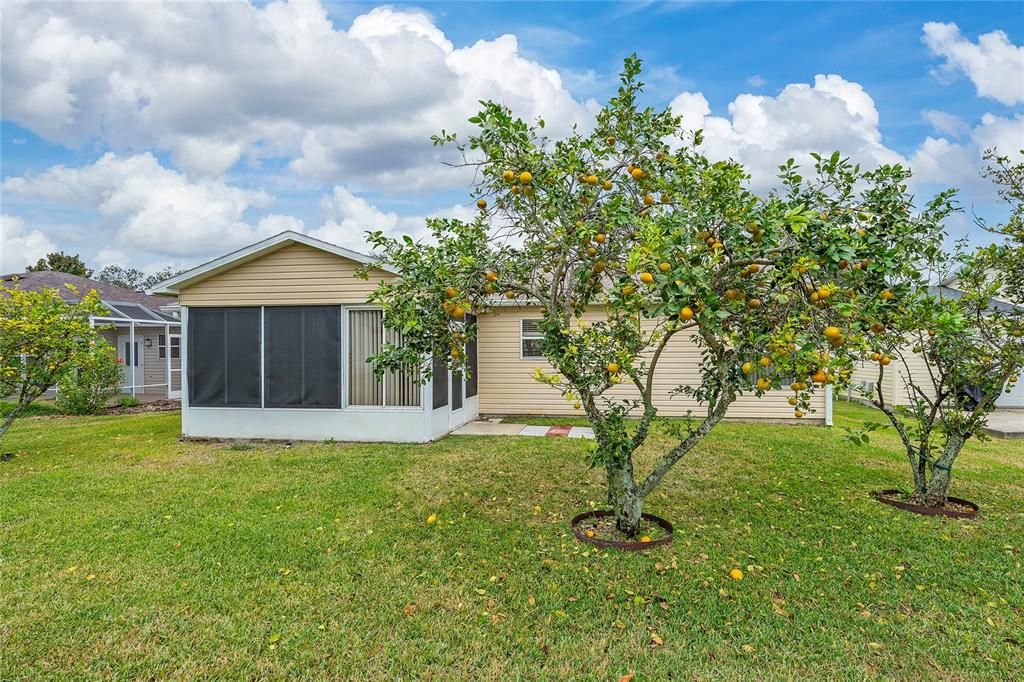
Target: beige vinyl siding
x=894 y=380
x=293 y=275
x=507 y=385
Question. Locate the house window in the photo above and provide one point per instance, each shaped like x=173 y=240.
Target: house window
x=530 y=338
x=366 y=337
x=162 y=346
x=224 y=357
x=302 y=356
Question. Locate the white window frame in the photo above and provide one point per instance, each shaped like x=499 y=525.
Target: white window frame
x=346 y=326
x=162 y=346
x=524 y=337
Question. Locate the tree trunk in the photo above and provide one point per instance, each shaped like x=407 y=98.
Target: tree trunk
x=627 y=502
x=938 y=487
x=8 y=420
x=624 y=496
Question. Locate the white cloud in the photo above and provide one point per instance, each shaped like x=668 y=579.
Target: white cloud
x=20 y=246
x=213 y=83
x=347 y=219
x=763 y=131
x=946 y=124
x=994 y=64
x=756 y=81
x=959 y=164
x=145 y=207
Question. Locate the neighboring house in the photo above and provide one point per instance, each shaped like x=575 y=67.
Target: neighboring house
x=276 y=337
x=895 y=382
x=144 y=329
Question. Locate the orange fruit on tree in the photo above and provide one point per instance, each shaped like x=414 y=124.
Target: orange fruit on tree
x=820 y=376
x=764 y=361
x=753 y=268
x=599 y=238
x=747 y=367
x=481 y=204
x=884 y=360
x=754 y=303
x=508 y=176
x=628 y=290
x=458 y=312
x=592 y=251
x=798 y=414
x=792 y=401
x=613 y=367
x=492 y=276
x=795 y=386
x=648 y=200
x=510 y=294
x=606 y=185
x=764 y=383
x=887 y=295
x=526 y=177
x=875 y=357
x=637 y=173
x=646 y=277
x=451 y=292
x=599 y=266
x=686 y=313
x=664 y=267
x=833 y=332
x=591 y=179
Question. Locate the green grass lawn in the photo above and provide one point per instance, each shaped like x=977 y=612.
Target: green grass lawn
x=125 y=554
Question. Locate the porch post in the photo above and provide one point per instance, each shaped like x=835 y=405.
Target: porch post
x=132 y=360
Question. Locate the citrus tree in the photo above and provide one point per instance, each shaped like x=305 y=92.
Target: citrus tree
x=41 y=338
x=632 y=221
x=958 y=348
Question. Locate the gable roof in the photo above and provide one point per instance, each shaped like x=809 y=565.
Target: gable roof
x=174 y=285
x=109 y=293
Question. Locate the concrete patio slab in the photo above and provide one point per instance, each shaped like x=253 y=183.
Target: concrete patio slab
x=1006 y=424
x=487 y=428
x=494 y=428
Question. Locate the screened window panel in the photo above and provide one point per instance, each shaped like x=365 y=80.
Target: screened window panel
x=365 y=336
x=471 y=380
x=402 y=388
x=224 y=357
x=161 y=346
x=456 y=390
x=439 y=374
x=302 y=361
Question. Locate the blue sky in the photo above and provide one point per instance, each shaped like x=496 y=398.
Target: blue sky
x=181 y=131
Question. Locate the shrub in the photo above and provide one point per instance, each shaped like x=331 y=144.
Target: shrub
x=129 y=401
x=95 y=378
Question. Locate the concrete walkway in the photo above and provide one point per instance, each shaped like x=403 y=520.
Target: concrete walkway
x=489 y=428
x=1006 y=424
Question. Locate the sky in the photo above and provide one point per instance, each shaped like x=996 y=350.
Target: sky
x=157 y=134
